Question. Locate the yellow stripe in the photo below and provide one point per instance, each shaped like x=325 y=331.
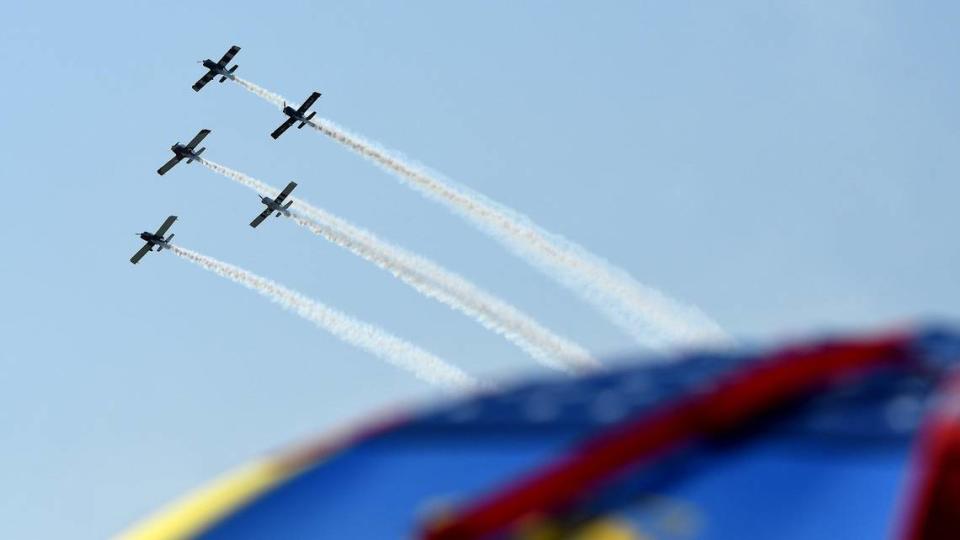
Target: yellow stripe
x=199 y=510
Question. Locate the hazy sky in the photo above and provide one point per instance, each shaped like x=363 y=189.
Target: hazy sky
x=786 y=169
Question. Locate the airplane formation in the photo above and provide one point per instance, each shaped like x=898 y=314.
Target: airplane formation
x=190 y=153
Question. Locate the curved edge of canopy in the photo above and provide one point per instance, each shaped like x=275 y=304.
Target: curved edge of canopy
x=207 y=505
x=204 y=507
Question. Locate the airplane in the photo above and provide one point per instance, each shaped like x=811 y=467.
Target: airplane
x=184 y=152
x=217 y=68
x=154 y=239
x=275 y=205
x=296 y=115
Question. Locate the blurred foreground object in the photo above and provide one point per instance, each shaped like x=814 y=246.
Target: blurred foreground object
x=841 y=438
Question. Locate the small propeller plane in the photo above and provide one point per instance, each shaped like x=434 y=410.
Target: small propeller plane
x=296 y=115
x=154 y=239
x=217 y=68
x=275 y=205
x=184 y=152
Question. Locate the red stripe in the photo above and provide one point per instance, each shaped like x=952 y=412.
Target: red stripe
x=935 y=513
x=785 y=376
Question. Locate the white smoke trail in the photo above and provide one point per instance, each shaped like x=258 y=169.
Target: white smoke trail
x=276 y=99
x=431 y=280
x=359 y=334
x=647 y=314
x=651 y=317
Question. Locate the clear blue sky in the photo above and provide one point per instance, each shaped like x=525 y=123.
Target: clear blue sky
x=786 y=169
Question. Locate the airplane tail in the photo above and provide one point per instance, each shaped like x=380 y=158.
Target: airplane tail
x=167 y=241
x=309 y=118
x=190 y=160
x=229 y=74
x=288 y=205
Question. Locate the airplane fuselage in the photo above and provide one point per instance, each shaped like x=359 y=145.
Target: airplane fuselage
x=153 y=239
x=292 y=113
x=213 y=66
x=274 y=206
x=183 y=152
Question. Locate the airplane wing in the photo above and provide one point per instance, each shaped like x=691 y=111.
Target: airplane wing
x=169 y=165
x=228 y=56
x=286 y=191
x=139 y=255
x=166 y=225
x=310 y=100
x=259 y=219
x=196 y=140
x=203 y=80
x=283 y=127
